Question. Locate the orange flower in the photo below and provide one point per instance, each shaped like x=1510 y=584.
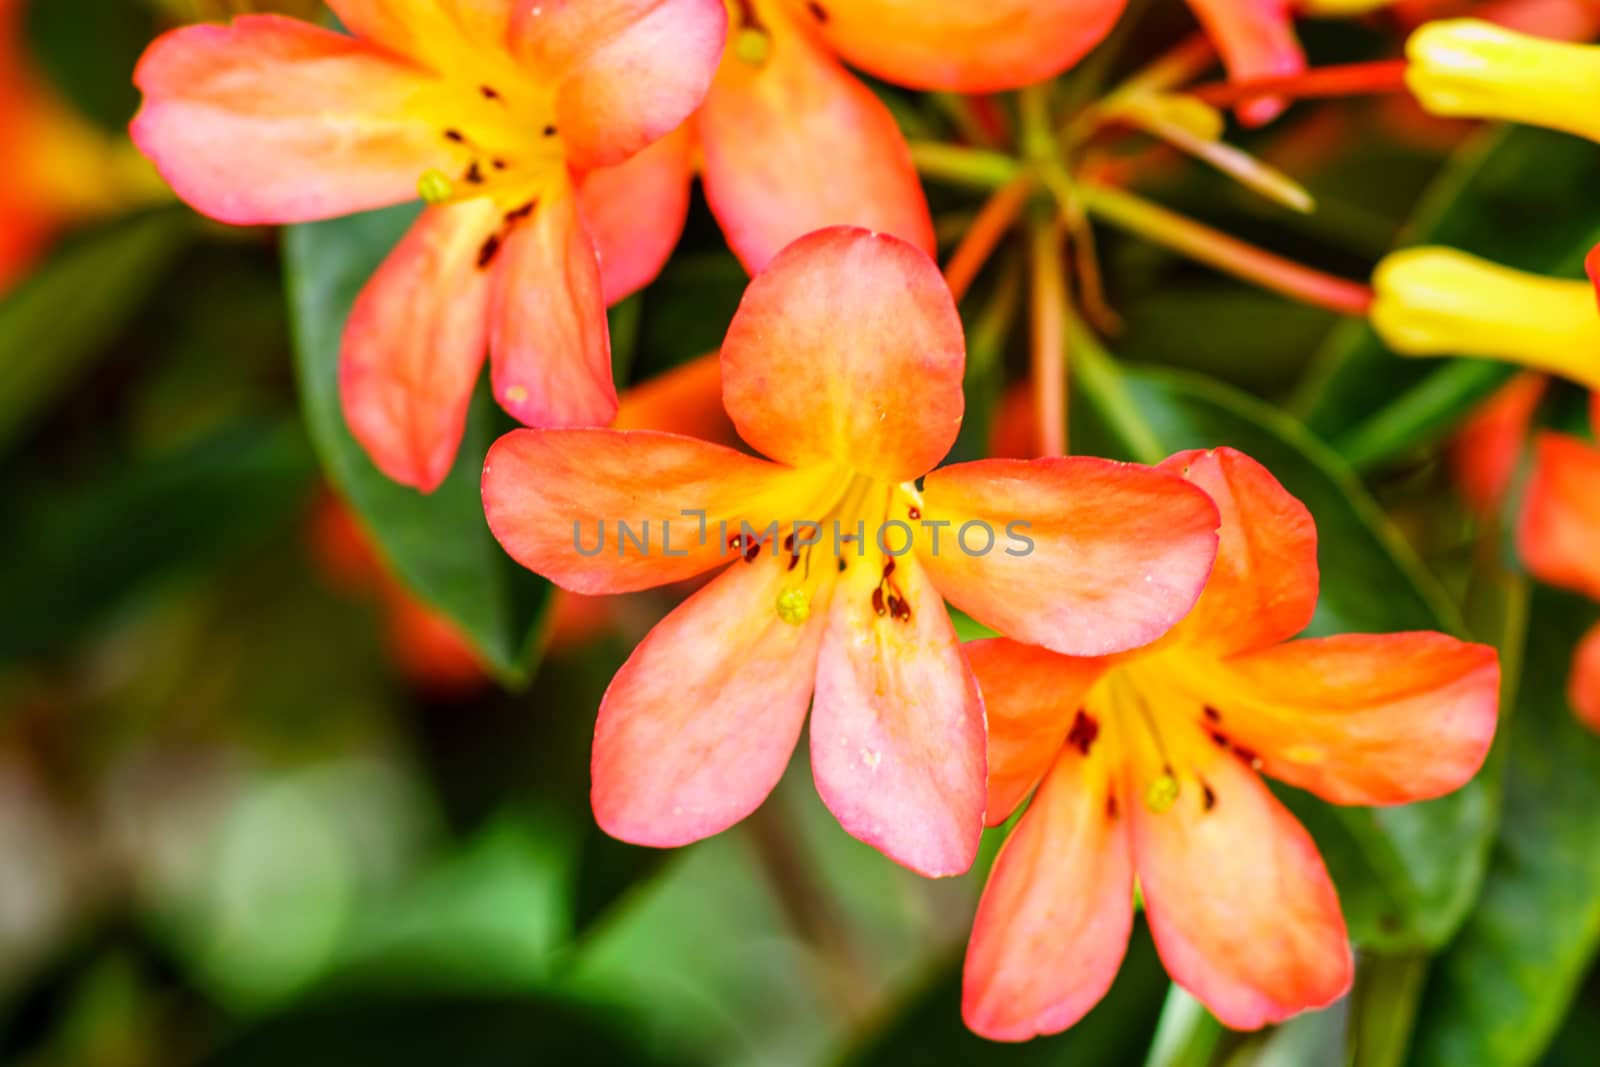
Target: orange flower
x=1145 y=766
x=60 y=169
x=503 y=117
x=1558 y=537
x=843 y=364
x=1486 y=450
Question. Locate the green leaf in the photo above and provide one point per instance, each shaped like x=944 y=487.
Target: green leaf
x=1383 y=1008
x=1498 y=993
x=1407 y=874
x=71 y=556
x=1186 y=1036
x=438 y=543
x=103 y=277
x=1519 y=196
x=412 y=1030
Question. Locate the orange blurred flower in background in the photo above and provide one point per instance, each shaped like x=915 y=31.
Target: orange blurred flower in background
x=60 y=168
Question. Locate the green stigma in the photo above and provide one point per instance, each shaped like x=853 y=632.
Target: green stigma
x=753 y=46
x=794 y=606
x=1161 y=795
x=435 y=186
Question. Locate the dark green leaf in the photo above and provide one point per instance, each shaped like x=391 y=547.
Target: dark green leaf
x=928 y=1028
x=438 y=543
x=71 y=556
x=422 y=1031
x=1406 y=874
x=1519 y=196
x=103 y=277
x=1498 y=993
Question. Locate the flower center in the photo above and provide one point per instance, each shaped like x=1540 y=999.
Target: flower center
x=870 y=524
x=1145 y=708
x=505 y=141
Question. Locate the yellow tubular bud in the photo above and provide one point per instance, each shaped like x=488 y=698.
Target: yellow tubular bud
x=1465 y=68
x=1440 y=302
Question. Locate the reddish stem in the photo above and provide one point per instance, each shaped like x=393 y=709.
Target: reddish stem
x=1049 y=338
x=985 y=233
x=1383 y=76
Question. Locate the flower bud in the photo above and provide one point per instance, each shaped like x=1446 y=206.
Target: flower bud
x=1440 y=302
x=1465 y=68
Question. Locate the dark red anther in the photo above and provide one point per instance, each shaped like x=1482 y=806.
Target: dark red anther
x=1083 y=733
x=490 y=249
x=899 y=609
x=788 y=544
x=1246 y=754
x=877 y=601
x=1218 y=739
x=915 y=513
x=888 y=569
x=516 y=215
x=752 y=550
x=1212 y=713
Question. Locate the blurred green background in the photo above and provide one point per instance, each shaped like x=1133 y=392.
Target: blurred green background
x=259 y=806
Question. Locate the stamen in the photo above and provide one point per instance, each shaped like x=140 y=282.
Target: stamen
x=455 y=136
x=748 y=547
x=435 y=187
x=489 y=93
x=490 y=249
x=1083 y=733
x=1208 y=798
x=474 y=175
x=818 y=12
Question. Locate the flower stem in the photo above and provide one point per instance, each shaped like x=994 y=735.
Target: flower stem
x=986 y=232
x=1383 y=76
x=1049 y=335
x=977 y=167
x=841 y=973
x=1225 y=253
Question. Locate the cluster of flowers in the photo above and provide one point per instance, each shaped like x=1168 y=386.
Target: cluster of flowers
x=1146 y=670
